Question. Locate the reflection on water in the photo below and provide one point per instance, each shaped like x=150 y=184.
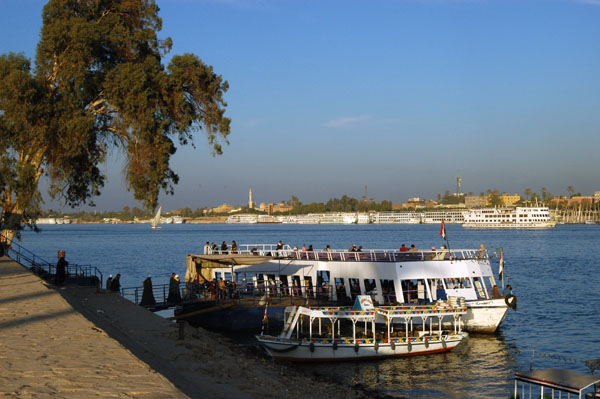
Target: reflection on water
x=480 y=367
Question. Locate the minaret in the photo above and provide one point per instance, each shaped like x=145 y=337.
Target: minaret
x=250 y=203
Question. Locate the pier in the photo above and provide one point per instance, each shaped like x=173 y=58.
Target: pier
x=80 y=341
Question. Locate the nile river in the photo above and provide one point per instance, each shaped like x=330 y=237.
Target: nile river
x=555 y=275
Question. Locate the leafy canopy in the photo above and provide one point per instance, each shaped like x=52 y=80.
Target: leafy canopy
x=99 y=84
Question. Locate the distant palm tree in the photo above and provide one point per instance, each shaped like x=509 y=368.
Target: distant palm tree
x=527 y=193
x=570 y=190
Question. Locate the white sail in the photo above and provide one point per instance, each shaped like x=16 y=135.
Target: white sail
x=156 y=219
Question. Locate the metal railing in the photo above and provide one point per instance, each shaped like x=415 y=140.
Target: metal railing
x=42 y=267
x=367 y=255
x=250 y=293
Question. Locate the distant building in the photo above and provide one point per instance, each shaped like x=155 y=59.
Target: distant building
x=510 y=200
x=475 y=201
x=223 y=209
x=250 y=202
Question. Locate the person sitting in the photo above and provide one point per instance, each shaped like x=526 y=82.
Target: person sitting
x=404 y=248
x=496 y=292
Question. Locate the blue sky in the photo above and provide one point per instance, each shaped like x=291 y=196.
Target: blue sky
x=403 y=96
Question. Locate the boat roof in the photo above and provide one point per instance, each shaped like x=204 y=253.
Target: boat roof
x=560 y=379
x=233 y=259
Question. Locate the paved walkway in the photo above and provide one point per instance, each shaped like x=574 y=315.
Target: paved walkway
x=47 y=349
x=76 y=342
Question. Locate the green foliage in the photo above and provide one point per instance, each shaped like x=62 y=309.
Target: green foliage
x=99 y=83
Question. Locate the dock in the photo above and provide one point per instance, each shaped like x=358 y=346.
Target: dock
x=77 y=341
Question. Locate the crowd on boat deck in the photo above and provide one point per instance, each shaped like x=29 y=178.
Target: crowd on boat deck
x=224 y=248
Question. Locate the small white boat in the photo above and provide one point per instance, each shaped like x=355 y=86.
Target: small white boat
x=365 y=332
x=156 y=219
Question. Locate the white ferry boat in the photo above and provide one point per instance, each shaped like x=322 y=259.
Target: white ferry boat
x=389 y=276
x=397 y=217
x=338 y=218
x=364 y=332
x=242 y=219
x=520 y=218
x=448 y=216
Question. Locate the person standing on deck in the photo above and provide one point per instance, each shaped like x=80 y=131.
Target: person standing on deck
x=207 y=249
x=109 y=282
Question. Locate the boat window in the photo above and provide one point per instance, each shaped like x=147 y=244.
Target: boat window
x=296 y=286
x=354 y=287
x=340 y=290
x=308 y=286
x=388 y=291
x=437 y=289
x=323 y=284
x=270 y=284
x=227 y=276
x=414 y=290
x=283 y=284
x=458 y=282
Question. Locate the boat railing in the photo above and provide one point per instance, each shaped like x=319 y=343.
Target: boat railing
x=160 y=292
x=368 y=255
x=45 y=269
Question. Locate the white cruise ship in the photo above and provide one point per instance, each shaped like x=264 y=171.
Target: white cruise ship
x=242 y=219
x=448 y=216
x=397 y=217
x=520 y=218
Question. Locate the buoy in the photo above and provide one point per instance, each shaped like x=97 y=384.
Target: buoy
x=334 y=345
x=393 y=345
x=311 y=346
x=376 y=346
x=356 y=346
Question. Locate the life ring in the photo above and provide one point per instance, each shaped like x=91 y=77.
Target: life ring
x=511 y=301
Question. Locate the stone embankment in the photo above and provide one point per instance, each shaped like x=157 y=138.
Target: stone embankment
x=75 y=342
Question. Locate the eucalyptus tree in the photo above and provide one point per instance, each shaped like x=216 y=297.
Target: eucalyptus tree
x=99 y=84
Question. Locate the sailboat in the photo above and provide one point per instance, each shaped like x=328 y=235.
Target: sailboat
x=156 y=219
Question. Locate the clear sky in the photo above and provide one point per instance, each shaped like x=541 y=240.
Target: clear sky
x=328 y=96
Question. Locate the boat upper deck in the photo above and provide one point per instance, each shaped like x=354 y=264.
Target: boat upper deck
x=266 y=252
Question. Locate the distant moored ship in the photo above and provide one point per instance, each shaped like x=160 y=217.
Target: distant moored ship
x=520 y=217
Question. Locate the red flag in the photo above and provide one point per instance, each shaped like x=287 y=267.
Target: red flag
x=443 y=231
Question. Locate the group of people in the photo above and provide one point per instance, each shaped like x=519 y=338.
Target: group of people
x=213 y=248
x=113 y=283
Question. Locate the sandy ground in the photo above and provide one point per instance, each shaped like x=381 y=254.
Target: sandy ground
x=75 y=342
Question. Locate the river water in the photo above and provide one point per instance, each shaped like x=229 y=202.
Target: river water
x=555 y=275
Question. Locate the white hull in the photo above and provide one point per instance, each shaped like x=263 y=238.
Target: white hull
x=484 y=316
x=541 y=225
x=291 y=350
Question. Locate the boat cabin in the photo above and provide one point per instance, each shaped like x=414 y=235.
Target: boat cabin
x=387 y=276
